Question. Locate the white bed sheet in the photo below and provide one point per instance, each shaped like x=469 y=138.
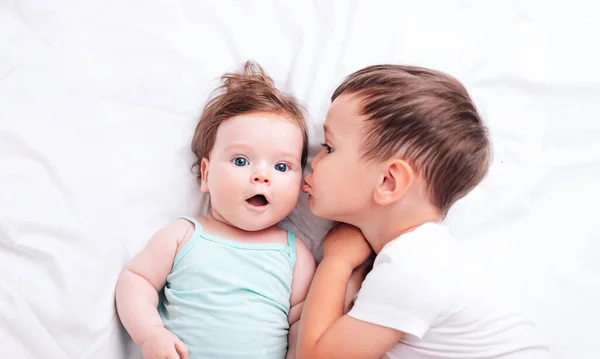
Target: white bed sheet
x=98 y=101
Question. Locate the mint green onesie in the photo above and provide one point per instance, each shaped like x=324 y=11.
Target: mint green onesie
x=227 y=299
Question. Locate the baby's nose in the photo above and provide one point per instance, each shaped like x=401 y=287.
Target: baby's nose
x=261 y=178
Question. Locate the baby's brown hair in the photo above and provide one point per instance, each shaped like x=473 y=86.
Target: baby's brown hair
x=427 y=118
x=246 y=92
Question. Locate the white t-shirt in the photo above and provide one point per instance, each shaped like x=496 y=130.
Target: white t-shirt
x=424 y=285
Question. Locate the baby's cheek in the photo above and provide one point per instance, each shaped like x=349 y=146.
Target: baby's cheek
x=223 y=195
x=288 y=197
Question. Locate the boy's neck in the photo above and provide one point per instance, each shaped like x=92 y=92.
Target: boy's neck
x=385 y=224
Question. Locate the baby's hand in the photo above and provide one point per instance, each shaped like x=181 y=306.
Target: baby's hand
x=346 y=243
x=162 y=344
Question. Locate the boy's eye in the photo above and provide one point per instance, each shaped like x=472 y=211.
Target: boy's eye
x=281 y=167
x=327 y=148
x=240 y=161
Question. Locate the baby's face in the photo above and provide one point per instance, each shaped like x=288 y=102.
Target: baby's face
x=254 y=171
x=342 y=183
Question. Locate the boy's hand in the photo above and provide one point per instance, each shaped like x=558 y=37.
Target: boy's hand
x=162 y=344
x=347 y=244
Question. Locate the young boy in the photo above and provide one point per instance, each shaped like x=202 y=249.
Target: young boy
x=402 y=145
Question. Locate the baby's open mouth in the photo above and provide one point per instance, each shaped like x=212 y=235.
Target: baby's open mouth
x=258 y=200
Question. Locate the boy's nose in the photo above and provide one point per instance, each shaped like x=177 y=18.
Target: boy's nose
x=314 y=161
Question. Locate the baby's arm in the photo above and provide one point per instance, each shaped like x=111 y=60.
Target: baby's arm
x=304 y=271
x=141 y=280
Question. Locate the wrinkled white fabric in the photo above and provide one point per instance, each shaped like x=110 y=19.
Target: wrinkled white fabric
x=99 y=99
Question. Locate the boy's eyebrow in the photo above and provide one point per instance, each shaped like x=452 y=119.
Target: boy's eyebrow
x=328 y=131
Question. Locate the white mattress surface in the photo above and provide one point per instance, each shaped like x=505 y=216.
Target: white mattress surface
x=99 y=99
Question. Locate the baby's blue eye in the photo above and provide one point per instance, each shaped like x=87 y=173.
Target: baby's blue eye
x=240 y=161
x=281 y=167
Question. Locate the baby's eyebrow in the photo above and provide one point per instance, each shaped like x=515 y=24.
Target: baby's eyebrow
x=283 y=154
x=290 y=156
x=233 y=146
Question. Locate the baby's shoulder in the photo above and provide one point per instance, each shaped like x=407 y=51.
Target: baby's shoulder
x=283 y=236
x=304 y=256
x=181 y=229
x=200 y=223
x=275 y=235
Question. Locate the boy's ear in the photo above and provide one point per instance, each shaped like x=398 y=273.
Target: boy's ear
x=396 y=179
x=204 y=175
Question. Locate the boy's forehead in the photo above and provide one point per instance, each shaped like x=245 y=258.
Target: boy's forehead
x=344 y=115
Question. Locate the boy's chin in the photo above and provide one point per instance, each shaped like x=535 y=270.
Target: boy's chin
x=312 y=205
x=318 y=211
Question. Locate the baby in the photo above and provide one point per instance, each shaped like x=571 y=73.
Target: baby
x=402 y=145
x=233 y=282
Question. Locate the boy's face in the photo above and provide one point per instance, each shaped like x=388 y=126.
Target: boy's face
x=254 y=172
x=342 y=183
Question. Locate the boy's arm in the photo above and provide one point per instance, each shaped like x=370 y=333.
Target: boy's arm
x=144 y=276
x=325 y=331
x=355 y=282
x=304 y=270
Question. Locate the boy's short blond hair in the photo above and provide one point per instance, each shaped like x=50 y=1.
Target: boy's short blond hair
x=250 y=91
x=427 y=118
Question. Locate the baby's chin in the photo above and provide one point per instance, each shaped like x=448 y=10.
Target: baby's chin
x=255 y=224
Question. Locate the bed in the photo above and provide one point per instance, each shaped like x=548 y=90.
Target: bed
x=99 y=99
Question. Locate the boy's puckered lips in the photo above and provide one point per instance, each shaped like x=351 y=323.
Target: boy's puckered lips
x=307 y=185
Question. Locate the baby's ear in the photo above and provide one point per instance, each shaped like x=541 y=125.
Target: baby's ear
x=396 y=179
x=204 y=175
